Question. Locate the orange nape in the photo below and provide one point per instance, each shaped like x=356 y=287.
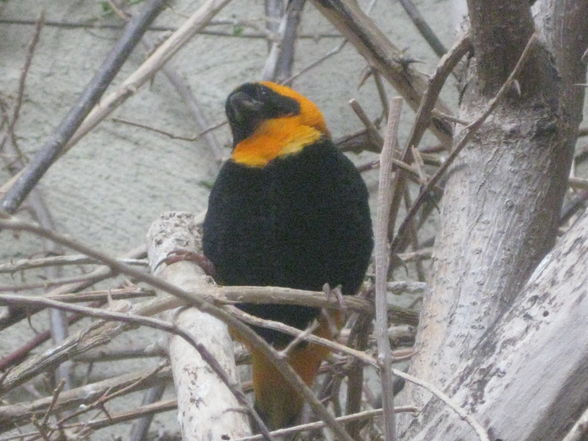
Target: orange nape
x=274 y=138
x=284 y=135
x=309 y=115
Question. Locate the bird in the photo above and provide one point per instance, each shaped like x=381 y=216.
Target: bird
x=287 y=209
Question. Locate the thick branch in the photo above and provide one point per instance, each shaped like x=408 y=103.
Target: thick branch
x=527 y=379
x=217 y=413
x=500 y=213
x=564 y=26
x=500 y=30
x=370 y=42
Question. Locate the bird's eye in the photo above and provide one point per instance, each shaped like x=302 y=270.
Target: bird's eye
x=262 y=93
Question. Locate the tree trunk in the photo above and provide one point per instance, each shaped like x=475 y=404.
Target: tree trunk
x=503 y=196
x=527 y=380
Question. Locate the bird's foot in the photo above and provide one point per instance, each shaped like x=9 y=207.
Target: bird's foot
x=336 y=292
x=200 y=259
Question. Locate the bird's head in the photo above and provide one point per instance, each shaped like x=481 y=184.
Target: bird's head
x=269 y=120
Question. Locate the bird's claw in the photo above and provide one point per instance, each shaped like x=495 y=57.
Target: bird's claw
x=336 y=292
x=200 y=259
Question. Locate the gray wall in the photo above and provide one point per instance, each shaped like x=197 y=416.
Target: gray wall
x=110 y=187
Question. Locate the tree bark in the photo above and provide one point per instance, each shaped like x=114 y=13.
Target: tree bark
x=528 y=378
x=207 y=410
x=503 y=196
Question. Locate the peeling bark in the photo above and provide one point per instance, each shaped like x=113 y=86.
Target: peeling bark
x=207 y=410
x=527 y=380
x=502 y=200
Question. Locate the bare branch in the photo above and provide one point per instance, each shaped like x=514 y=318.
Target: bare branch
x=279 y=63
x=370 y=42
x=470 y=131
x=382 y=258
x=20 y=413
x=26 y=264
x=359 y=416
x=423 y=27
x=54 y=146
x=22 y=80
x=14 y=315
x=33 y=367
x=423 y=117
x=500 y=30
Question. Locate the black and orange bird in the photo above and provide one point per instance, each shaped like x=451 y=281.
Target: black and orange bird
x=290 y=210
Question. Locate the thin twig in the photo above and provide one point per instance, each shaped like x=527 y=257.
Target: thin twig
x=423 y=117
x=315 y=63
x=382 y=257
x=54 y=398
x=50 y=283
x=303 y=335
x=104 y=295
x=22 y=80
x=367 y=122
x=243 y=330
x=20 y=413
x=366 y=414
x=54 y=146
x=26 y=264
x=171 y=135
x=157 y=28
x=109 y=395
x=14 y=315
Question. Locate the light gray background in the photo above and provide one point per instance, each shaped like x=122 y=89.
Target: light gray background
x=110 y=187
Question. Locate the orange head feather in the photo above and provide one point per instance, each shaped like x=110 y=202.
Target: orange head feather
x=269 y=120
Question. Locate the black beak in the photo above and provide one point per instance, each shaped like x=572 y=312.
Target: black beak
x=243 y=105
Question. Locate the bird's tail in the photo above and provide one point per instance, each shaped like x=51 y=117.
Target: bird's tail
x=276 y=401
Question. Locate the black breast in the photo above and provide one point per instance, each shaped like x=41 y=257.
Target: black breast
x=300 y=222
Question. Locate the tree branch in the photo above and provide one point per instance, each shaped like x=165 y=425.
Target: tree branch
x=370 y=42
x=382 y=261
x=500 y=30
x=55 y=145
x=505 y=381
